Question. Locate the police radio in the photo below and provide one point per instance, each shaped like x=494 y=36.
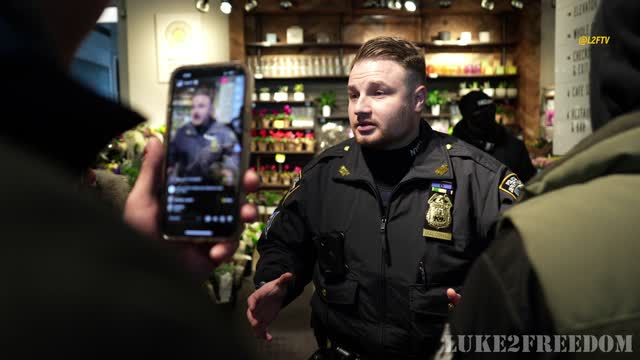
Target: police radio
x=206 y=152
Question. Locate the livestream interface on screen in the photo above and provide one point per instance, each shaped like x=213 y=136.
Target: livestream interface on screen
x=204 y=151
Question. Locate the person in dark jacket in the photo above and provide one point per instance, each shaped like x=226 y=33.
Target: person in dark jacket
x=565 y=257
x=77 y=281
x=479 y=128
x=384 y=223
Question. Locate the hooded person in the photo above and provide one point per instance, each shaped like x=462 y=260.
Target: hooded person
x=479 y=128
x=564 y=259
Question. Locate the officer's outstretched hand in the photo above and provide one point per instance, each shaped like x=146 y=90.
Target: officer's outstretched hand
x=142 y=212
x=454 y=297
x=265 y=304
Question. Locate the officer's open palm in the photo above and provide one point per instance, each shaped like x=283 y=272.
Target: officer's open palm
x=265 y=304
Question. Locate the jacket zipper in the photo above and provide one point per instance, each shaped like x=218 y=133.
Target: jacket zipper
x=383 y=282
x=386 y=254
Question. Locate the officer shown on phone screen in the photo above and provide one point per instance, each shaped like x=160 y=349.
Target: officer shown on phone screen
x=204 y=147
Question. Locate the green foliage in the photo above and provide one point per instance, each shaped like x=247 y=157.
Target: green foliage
x=271 y=198
x=434 y=98
x=327 y=98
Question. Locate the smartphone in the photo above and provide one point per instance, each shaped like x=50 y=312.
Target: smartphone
x=206 y=152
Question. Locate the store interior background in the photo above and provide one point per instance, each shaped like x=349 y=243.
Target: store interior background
x=119 y=60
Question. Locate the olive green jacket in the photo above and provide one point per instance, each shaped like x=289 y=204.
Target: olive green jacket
x=580 y=227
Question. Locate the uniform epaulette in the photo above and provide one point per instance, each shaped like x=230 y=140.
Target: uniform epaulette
x=460 y=148
x=335 y=151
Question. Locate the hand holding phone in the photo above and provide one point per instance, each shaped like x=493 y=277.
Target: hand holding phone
x=142 y=212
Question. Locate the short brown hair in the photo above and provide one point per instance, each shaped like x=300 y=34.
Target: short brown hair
x=205 y=92
x=399 y=50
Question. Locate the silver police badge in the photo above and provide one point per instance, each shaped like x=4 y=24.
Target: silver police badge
x=439 y=214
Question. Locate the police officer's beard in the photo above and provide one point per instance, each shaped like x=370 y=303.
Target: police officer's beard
x=399 y=133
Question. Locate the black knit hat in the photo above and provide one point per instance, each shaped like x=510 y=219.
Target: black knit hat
x=475 y=101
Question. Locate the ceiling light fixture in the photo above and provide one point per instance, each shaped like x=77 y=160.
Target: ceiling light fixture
x=203 y=6
x=250 y=5
x=286 y=4
x=488 y=4
x=410 y=5
x=445 y=3
x=517 y=4
x=394 y=4
x=225 y=7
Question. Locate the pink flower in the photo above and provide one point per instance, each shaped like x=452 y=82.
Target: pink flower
x=287 y=109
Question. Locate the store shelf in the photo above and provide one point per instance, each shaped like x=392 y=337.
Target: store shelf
x=297 y=11
x=274 y=187
x=501 y=100
x=332 y=45
x=335 y=117
x=339 y=77
x=474 y=45
x=436 y=45
x=305 y=103
x=478 y=76
x=437 y=77
x=286 y=129
x=282 y=152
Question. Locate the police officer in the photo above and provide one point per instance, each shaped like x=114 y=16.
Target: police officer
x=479 y=128
x=204 y=147
x=383 y=223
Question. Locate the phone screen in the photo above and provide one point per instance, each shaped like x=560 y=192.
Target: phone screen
x=203 y=167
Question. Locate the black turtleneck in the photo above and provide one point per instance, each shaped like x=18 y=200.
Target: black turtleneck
x=202 y=128
x=388 y=167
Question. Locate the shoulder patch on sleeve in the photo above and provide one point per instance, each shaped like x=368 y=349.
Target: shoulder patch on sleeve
x=512 y=185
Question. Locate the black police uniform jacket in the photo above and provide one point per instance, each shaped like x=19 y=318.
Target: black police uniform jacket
x=371 y=292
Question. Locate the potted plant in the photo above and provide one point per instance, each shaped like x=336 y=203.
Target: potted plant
x=265 y=175
x=282 y=120
x=268 y=119
x=298 y=92
x=289 y=138
x=310 y=142
x=299 y=143
x=327 y=101
x=273 y=179
x=265 y=95
x=284 y=117
x=282 y=94
x=285 y=176
x=254 y=141
x=434 y=100
x=512 y=91
x=271 y=200
x=463 y=89
x=488 y=90
x=277 y=143
x=501 y=91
